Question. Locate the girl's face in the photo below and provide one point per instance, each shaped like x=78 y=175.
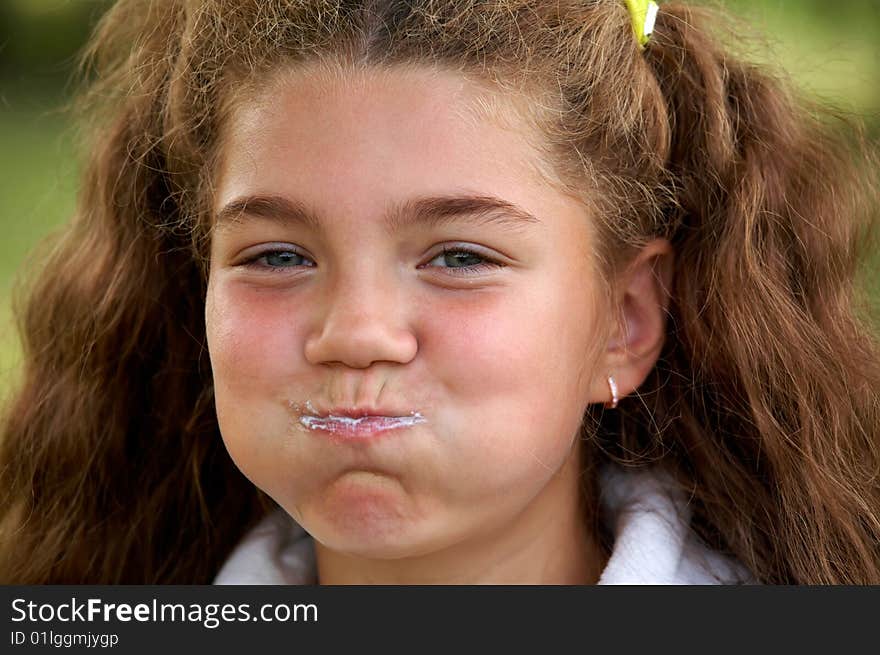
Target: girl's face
x=382 y=245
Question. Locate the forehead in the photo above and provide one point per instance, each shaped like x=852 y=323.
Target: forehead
x=309 y=129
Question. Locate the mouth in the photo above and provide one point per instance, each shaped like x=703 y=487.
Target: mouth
x=357 y=423
x=362 y=427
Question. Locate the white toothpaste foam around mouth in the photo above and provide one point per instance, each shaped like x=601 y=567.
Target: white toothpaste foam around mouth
x=348 y=424
x=334 y=423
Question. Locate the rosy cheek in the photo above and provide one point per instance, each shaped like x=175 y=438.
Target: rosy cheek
x=254 y=335
x=481 y=345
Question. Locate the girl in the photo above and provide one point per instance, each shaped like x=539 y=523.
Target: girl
x=447 y=291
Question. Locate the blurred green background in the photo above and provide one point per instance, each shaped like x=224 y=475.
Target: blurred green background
x=831 y=49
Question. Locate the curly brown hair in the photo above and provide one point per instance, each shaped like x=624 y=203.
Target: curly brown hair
x=764 y=404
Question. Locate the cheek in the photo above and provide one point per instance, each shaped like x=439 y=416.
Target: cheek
x=483 y=349
x=506 y=342
x=251 y=338
x=252 y=342
x=513 y=363
x=252 y=346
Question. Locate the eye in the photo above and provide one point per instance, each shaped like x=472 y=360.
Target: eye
x=278 y=259
x=455 y=261
x=464 y=261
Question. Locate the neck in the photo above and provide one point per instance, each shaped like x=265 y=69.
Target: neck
x=566 y=552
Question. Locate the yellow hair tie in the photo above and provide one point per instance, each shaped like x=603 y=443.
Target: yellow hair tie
x=643 y=14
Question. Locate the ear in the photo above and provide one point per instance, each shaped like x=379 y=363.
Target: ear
x=643 y=302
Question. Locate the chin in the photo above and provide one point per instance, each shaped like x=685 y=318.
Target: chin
x=375 y=531
x=374 y=539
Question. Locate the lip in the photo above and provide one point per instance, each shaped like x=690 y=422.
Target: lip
x=358 y=422
x=359 y=412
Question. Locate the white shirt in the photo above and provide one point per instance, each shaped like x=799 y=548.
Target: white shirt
x=647 y=514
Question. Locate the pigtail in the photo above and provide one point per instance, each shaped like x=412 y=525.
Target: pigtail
x=113 y=468
x=778 y=433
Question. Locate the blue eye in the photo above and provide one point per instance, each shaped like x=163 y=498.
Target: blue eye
x=278 y=259
x=462 y=261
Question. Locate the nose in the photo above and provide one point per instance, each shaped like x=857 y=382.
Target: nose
x=363 y=321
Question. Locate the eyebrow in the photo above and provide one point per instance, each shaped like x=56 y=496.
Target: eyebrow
x=431 y=211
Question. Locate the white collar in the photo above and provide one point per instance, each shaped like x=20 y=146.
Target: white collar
x=647 y=514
